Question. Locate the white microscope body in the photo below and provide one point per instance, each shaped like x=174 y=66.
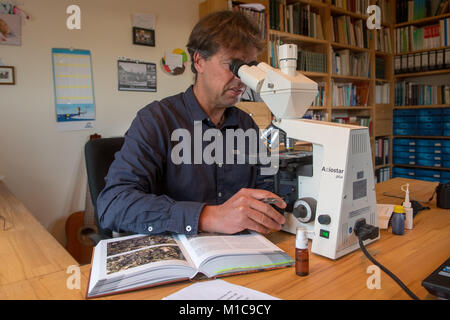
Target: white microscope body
x=341 y=190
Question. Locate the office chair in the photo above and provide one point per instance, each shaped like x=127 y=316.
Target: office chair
x=99 y=154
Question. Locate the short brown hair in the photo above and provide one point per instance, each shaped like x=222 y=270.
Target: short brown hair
x=223 y=29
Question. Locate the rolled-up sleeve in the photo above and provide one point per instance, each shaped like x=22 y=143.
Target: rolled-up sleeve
x=133 y=199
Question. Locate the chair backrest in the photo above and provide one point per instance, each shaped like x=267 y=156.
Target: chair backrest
x=99 y=154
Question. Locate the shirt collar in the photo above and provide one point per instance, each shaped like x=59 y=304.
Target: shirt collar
x=197 y=113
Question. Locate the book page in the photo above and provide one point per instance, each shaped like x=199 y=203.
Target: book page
x=121 y=261
x=206 y=245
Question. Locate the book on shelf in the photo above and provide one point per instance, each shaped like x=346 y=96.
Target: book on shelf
x=381 y=151
x=255 y=12
x=311 y=61
x=274 y=44
x=383 y=40
x=382 y=93
x=356 y=6
x=414 y=38
x=409 y=93
x=422 y=61
x=363 y=121
x=350 y=94
x=348 y=31
x=297 y=18
x=386 y=10
x=382 y=174
x=138 y=261
x=409 y=10
x=320 y=99
x=316 y=115
x=347 y=63
x=380 y=68
x=344 y=118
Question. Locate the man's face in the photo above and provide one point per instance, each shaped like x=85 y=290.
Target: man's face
x=221 y=86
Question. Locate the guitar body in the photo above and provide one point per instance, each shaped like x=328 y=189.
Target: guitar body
x=79 y=226
x=78 y=243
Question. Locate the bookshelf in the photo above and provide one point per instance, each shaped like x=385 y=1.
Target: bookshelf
x=360 y=49
x=421 y=137
x=375 y=86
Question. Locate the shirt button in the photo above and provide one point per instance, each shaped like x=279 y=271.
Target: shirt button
x=188 y=228
x=150 y=229
x=219 y=194
x=220 y=165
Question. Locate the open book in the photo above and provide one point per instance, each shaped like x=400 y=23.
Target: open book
x=138 y=261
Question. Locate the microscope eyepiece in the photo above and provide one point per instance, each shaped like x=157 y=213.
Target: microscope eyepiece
x=236 y=64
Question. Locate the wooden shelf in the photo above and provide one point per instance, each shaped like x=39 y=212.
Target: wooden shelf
x=421 y=167
x=382 y=53
x=424 y=106
x=351 y=108
x=346 y=46
x=350 y=78
x=422 y=50
x=341 y=11
x=424 y=137
x=314 y=3
x=313 y=74
x=296 y=37
x=382 y=166
x=422 y=74
x=422 y=21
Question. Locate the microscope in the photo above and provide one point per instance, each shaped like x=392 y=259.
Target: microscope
x=330 y=189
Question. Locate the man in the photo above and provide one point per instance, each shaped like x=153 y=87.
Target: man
x=148 y=192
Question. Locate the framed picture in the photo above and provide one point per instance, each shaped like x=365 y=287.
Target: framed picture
x=10 y=29
x=136 y=76
x=144 y=37
x=7 y=75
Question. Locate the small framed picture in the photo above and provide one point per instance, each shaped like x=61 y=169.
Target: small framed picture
x=136 y=76
x=144 y=37
x=7 y=75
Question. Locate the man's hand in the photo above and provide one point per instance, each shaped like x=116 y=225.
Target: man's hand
x=243 y=211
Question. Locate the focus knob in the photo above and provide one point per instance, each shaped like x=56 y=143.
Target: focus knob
x=305 y=209
x=324 y=219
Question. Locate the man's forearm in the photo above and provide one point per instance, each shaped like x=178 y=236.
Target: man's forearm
x=129 y=210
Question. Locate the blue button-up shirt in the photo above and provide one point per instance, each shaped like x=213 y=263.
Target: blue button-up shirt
x=146 y=192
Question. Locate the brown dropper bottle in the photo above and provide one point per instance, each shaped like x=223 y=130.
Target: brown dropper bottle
x=301 y=253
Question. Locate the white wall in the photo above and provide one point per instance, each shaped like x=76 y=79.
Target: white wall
x=43 y=167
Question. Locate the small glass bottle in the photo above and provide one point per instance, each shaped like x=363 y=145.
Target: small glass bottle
x=301 y=253
x=398 y=220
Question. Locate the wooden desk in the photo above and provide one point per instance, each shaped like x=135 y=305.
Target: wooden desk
x=411 y=257
x=27 y=249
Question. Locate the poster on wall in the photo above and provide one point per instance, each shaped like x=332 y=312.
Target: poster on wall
x=74 y=91
x=10 y=29
x=136 y=75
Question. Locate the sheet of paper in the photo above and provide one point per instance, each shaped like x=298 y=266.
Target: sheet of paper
x=144 y=20
x=174 y=60
x=218 y=290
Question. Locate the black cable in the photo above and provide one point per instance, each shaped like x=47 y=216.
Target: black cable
x=389 y=273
